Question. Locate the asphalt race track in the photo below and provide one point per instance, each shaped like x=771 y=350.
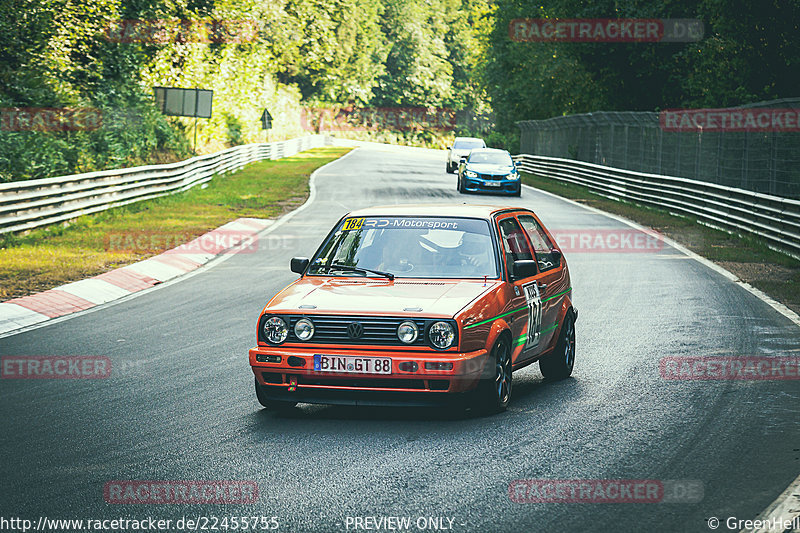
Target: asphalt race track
x=180 y=405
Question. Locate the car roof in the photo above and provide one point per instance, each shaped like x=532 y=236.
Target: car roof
x=434 y=210
x=469 y=139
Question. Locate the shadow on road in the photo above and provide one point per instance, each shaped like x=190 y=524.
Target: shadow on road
x=530 y=392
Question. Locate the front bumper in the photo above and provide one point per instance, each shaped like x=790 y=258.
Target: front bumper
x=492 y=186
x=299 y=382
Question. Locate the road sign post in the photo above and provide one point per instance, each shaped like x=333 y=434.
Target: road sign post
x=266 y=124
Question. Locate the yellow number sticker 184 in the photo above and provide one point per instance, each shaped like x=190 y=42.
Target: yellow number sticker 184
x=352 y=223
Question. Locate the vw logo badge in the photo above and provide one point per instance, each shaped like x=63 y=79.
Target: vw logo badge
x=355 y=330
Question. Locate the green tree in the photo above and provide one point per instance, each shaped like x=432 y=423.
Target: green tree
x=337 y=51
x=418 y=72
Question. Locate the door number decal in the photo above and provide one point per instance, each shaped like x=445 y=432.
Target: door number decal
x=534 y=300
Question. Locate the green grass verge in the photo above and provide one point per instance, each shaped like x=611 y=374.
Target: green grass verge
x=773 y=272
x=48 y=257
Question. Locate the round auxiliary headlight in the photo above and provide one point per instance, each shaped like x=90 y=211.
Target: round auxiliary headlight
x=304 y=329
x=407 y=332
x=275 y=330
x=442 y=335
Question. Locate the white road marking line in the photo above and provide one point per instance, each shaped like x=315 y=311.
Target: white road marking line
x=785 y=509
x=787 y=505
x=779 y=307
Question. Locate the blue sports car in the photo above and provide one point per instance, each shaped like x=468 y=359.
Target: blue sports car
x=489 y=170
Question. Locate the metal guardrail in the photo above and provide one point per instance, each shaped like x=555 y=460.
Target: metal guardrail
x=772 y=218
x=34 y=203
x=760 y=161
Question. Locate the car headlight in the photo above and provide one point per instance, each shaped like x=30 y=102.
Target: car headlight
x=275 y=330
x=407 y=332
x=471 y=174
x=513 y=176
x=304 y=329
x=442 y=335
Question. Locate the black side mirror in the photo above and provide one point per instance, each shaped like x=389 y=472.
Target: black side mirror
x=463 y=159
x=556 y=255
x=523 y=268
x=299 y=264
x=449 y=147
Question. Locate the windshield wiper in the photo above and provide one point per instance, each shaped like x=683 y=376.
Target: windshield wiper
x=359 y=269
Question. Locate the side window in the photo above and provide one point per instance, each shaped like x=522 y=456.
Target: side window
x=542 y=246
x=514 y=243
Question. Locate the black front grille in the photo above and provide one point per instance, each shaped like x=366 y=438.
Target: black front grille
x=374 y=330
x=340 y=329
x=439 y=384
x=413 y=384
x=492 y=176
x=272 y=377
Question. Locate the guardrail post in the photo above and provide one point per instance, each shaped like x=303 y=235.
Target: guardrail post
x=744 y=162
x=773 y=163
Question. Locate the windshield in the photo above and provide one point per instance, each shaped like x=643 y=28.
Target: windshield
x=490 y=158
x=412 y=247
x=468 y=145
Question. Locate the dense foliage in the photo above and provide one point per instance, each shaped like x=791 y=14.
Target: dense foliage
x=750 y=53
x=315 y=53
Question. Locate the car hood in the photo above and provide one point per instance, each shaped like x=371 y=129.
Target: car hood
x=439 y=298
x=485 y=168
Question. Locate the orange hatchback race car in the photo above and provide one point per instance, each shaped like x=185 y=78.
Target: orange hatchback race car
x=418 y=305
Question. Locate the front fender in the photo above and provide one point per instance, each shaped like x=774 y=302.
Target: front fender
x=498 y=327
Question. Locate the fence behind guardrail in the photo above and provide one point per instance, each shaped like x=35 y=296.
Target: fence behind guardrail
x=35 y=203
x=766 y=161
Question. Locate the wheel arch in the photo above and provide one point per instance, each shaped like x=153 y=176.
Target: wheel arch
x=500 y=329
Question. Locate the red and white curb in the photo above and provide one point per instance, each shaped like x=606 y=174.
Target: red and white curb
x=31 y=312
x=232 y=237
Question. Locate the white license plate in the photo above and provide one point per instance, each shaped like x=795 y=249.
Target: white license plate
x=491 y=184
x=352 y=365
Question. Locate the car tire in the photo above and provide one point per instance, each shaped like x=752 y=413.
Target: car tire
x=450 y=168
x=494 y=393
x=272 y=405
x=461 y=185
x=559 y=363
